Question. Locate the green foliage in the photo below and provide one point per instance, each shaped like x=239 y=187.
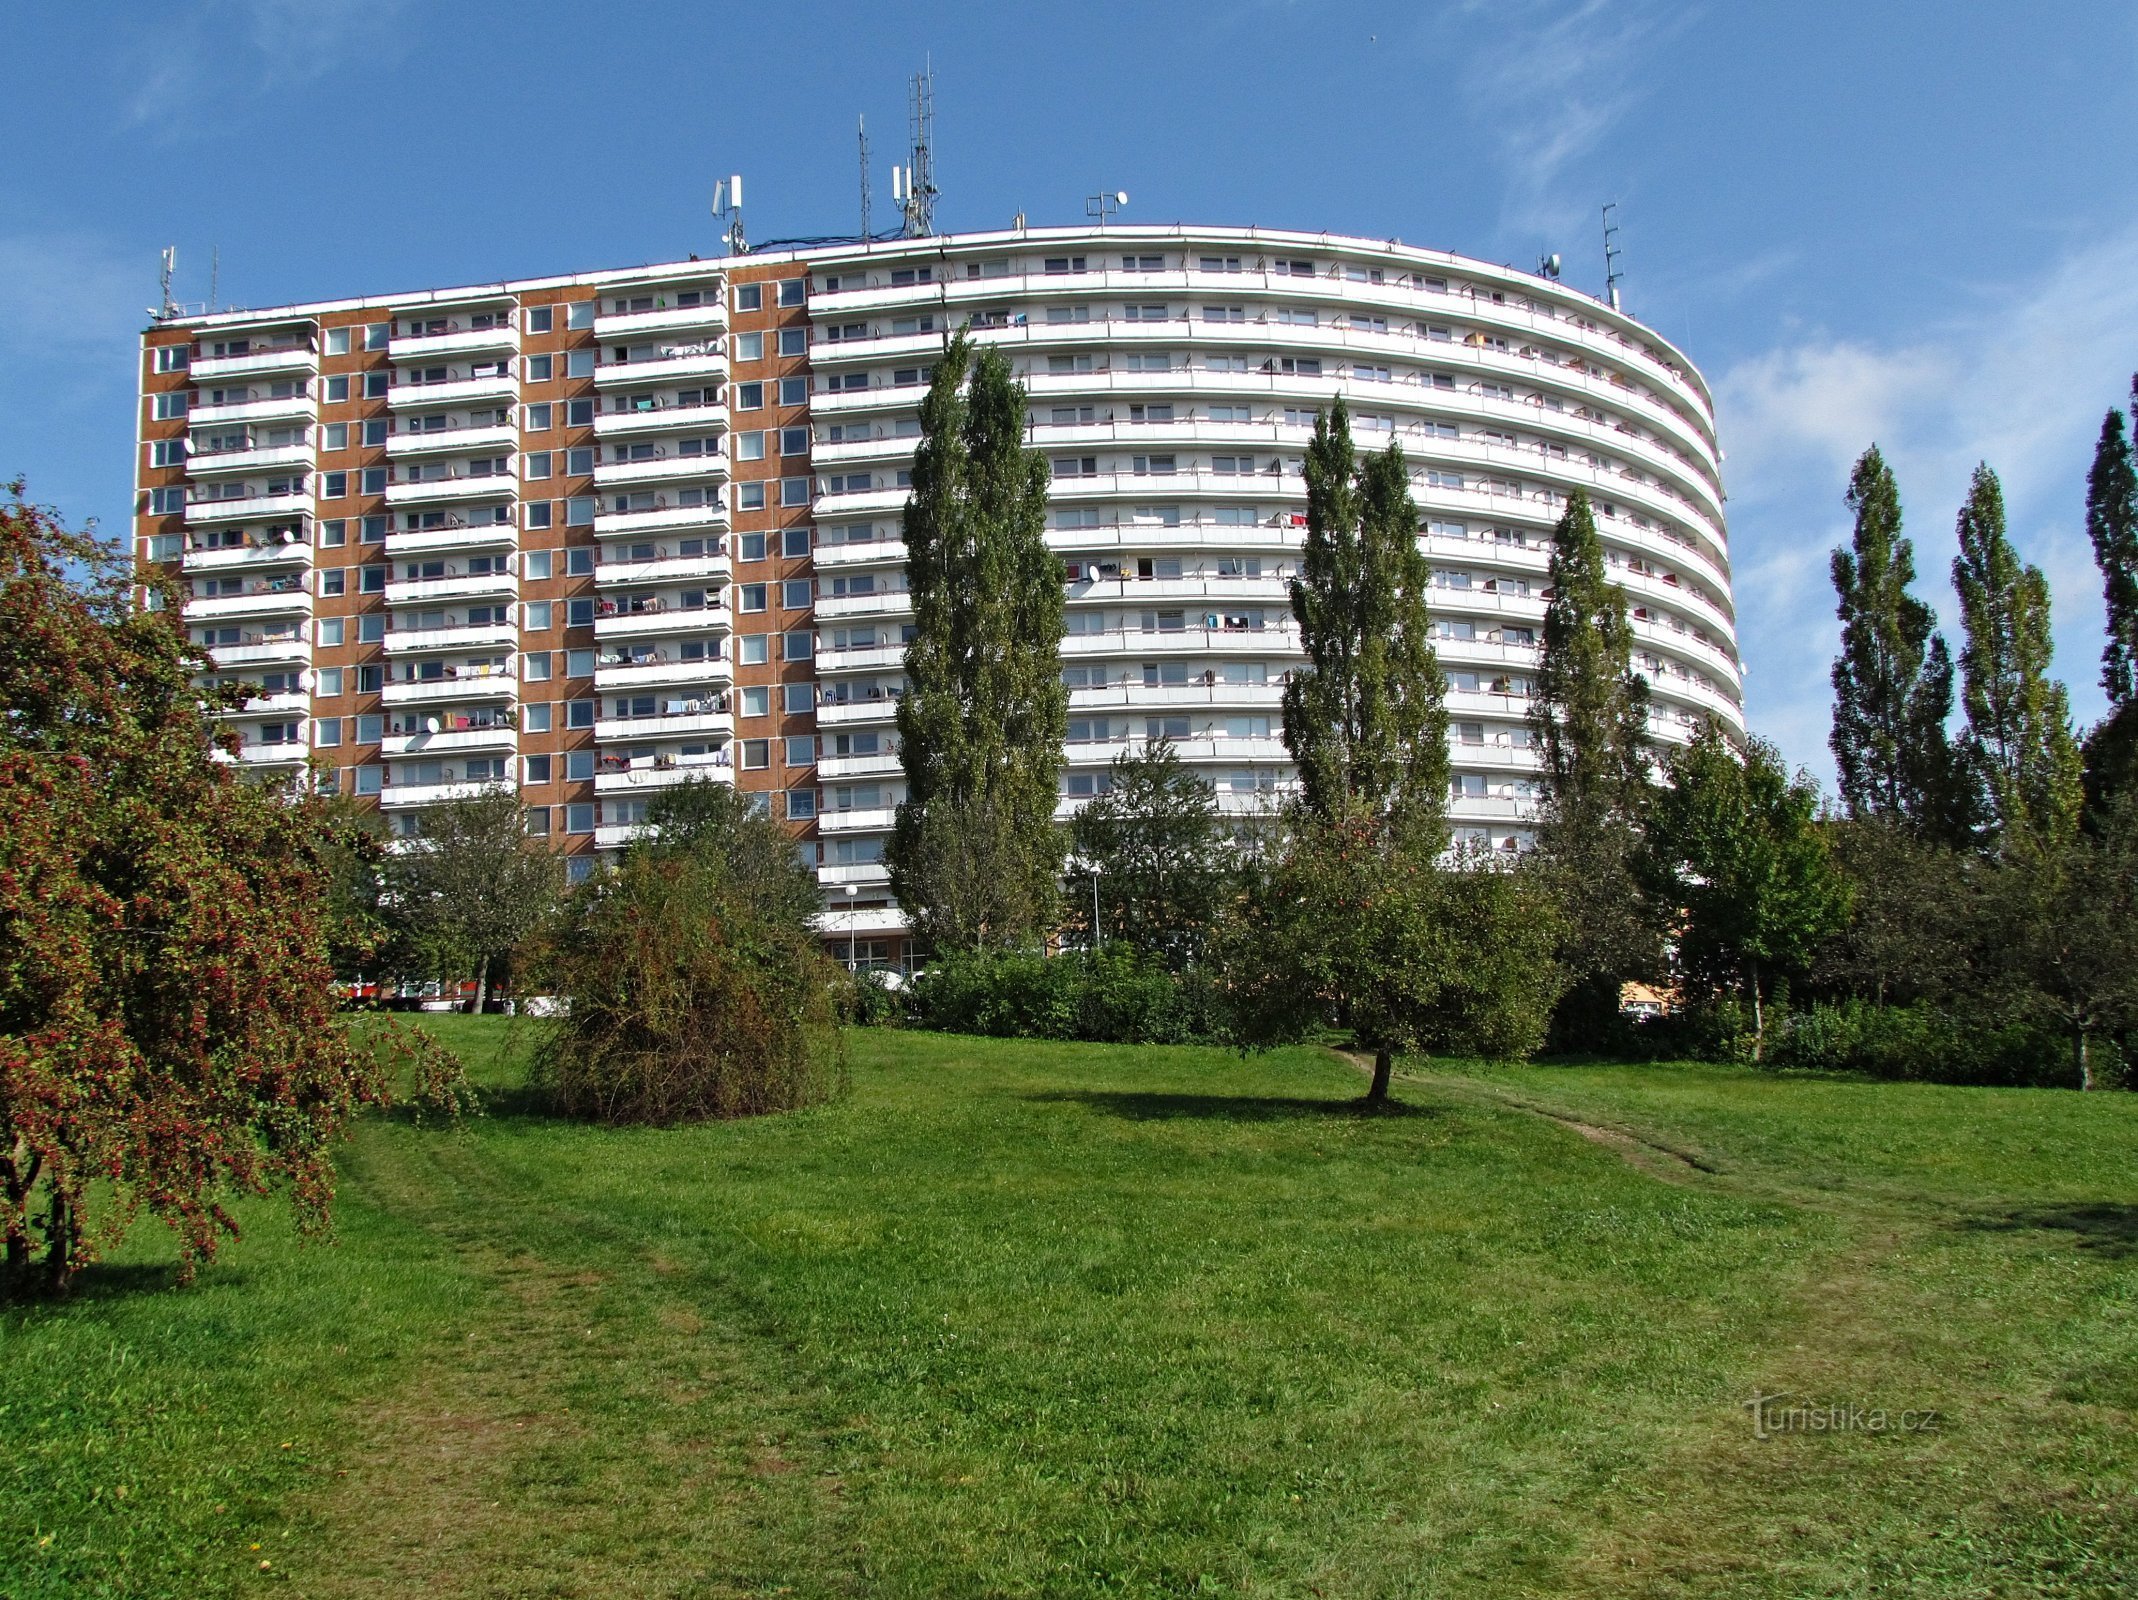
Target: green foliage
x=754 y=853
x=168 y=1037
x=1165 y=865
x=688 y=998
x=2112 y=529
x=1116 y=995
x=474 y=888
x=1365 y=720
x=2018 y=744
x=1893 y=677
x=1731 y=843
x=1589 y=717
x=974 y=855
x=1405 y=953
x=1920 y=1044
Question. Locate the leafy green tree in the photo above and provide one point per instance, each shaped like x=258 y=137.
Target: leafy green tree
x=1397 y=949
x=2019 y=742
x=975 y=857
x=1589 y=718
x=1913 y=920
x=473 y=888
x=755 y=852
x=1893 y=677
x=1366 y=719
x=1731 y=843
x=1165 y=868
x=2111 y=750
x=692 y=997
x=168 y=1031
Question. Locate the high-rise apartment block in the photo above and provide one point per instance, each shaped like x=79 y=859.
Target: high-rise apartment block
x=587 y=536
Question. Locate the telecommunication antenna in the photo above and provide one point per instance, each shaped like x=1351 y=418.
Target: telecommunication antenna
x=1103 y=206
x=1548 y=267
x=861 y=125
x=168 y=308
x=1612 y=276
x=727 y=202
x=215 y=275
x=916 y=190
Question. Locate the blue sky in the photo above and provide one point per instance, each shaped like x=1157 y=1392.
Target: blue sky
x=1906 y=221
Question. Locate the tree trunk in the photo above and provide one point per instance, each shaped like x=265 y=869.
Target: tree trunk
x=1759 y=1019
x=482 y=985
x=61 y=1236
x=2081 y=1057
x=1384 y=1066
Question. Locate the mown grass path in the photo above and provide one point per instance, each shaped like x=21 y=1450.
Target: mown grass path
x=1025 y=1319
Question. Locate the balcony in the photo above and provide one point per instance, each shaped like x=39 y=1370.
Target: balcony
x=293 y=355
x=495 y=739
x=662 y=469
x=242 y=507
x=875 y=819
x=614 y=775
x=262 y=650
x=295 y=704
x=400 y=796
x=656 y=619
x=710 y=316
x=249 y=556
x=255 y=406
x=663 y=567
x=442 y=441
x=409 y=641
x=453 y=391
x=457 y=685
x=885 y=552
x=866 y=874
x=884 y=764
x=413 y=591
x=290 y=753
x=836 y=923
x=883 y=603
x=264 y=600
x=670 y=724
x=660 y=672
x=680 y=363
x=453 y=486
x=455 y=340
x=658 y=419
x=455 y=534
x=265 y=458
x=662 y=518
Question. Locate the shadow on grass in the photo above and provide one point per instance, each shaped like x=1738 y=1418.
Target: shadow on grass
x=1148 y=1106
x=2109 y=1228
x=99 y=1281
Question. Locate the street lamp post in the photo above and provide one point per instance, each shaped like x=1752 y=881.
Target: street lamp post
x=1096 y=869
x=852 y=889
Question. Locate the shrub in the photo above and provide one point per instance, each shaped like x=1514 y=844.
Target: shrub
x=1112 y=997
x=690 y=998
x=1923 y=1043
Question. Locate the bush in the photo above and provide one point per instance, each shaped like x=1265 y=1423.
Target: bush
x=870 y=1002
x=1924 y=1044
x=691 y=997
x=1111 y=997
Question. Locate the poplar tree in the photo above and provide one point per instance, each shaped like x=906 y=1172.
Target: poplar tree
x=974 y=856
x=2018 y=744
x=1589 y=718
x=2111 y=754
x=1366 y=719
x=1893 y=677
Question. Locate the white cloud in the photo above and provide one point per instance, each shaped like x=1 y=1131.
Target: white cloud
x=2018 y=378
x=228 y=52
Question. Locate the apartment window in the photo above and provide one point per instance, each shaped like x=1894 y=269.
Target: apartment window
x=540 y=369
x=337 y=341
x=334 y=534
x=794 y=491
x=794 y=542
x=166 y=502
x=167 y=453
x=750 y=496
x=579 y=511
x=750 y=650
x=794 y=441
x=371 y=629
x=333 y=485
x=794 y=594
x=794 y=341
x=327 y=732
x=756 y=754
x=579 y=613
x=579 y=315
x=792 y=291
x=797 y=699
x=579 y=463
x=753 y=596
x=334 y=436
x=579 y=663
x=750 y=446
x=749 y=297
x=535 y=718
x=756 y=701
x=370 y=728
x=579 y=414
x=540 y=319
x=579 y=713
x=336 y=388
x=537 y=513
x=534 y=666
x=369 y=780
x=749 y=347
x=330 y=681
x=329 y=630
x=1143 y=263
x=579 y=562
x=748 y=396
x=579 y=818
x=535 y=464
x=579 y=364
x=749 y=547
x=536 y=566
x=168 y=407
x=801 y=750
x=375 y=431
x=375 y=385
x=377 y=335
x=793 y=391
x=801 y=804
x=334 y=582
x=798 y=645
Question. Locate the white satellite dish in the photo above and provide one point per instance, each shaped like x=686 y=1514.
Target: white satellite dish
x=432 y=724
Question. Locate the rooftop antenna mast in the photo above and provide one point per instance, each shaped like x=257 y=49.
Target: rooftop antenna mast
x=215 y=275
x=862 y=128
x=918 y=189
x=167 y=308
x=1612 y=276
x=727 y=202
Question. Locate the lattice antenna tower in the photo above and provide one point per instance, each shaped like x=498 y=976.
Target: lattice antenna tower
x=920 y=190
x=861 y=125
x=727 y=202
x=166 y=308
x=1612 y=276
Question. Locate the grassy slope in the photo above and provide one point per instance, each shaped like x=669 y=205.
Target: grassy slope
x=1026 y=1319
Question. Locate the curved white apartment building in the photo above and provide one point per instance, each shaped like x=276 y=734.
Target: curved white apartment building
x=692 y=475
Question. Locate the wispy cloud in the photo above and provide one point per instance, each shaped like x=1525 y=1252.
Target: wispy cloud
x=2019 y=379
x=1549 y=80
x=232 y=52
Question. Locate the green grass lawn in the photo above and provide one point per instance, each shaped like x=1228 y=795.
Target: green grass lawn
x=1032 y=1319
